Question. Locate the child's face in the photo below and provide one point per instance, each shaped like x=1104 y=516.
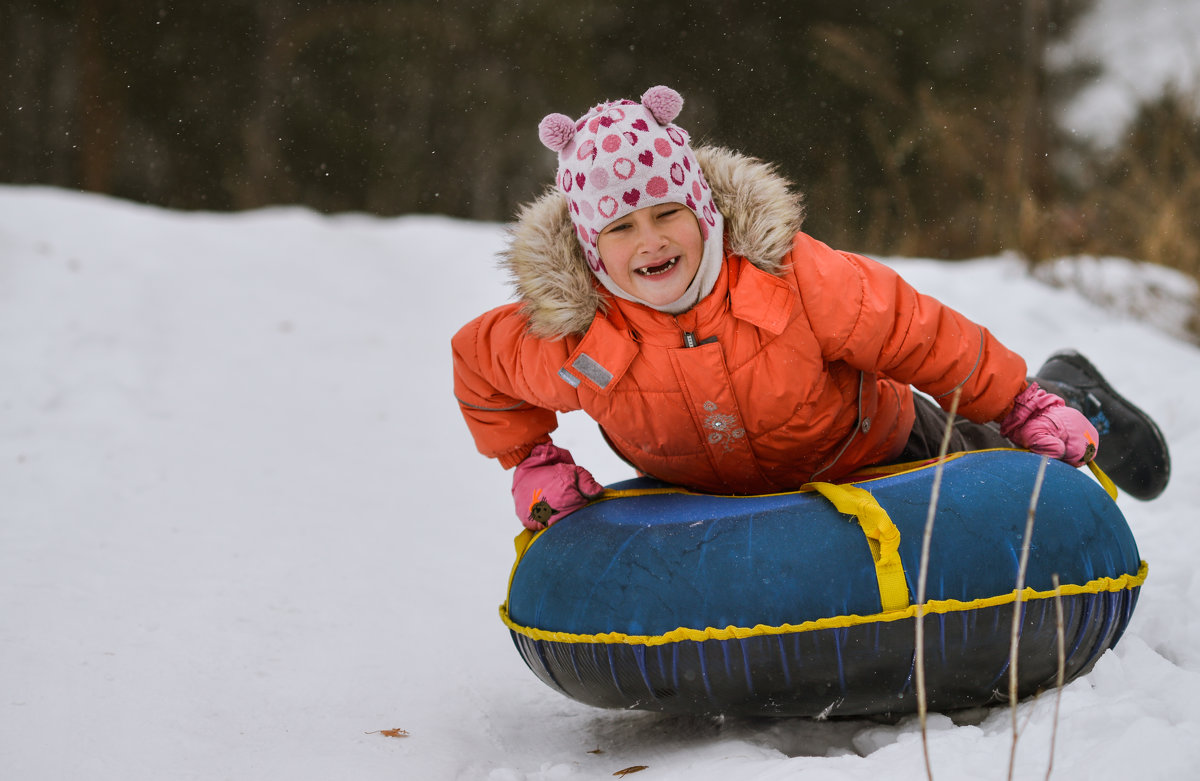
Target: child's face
x=654 y=252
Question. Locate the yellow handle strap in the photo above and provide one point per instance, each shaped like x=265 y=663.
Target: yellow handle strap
x=1104 y=479
x=522 y=541
x=882 y=536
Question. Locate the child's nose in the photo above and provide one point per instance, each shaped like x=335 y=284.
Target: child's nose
x=651 y=240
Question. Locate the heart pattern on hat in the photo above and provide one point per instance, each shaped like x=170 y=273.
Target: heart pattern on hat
x=632 y=157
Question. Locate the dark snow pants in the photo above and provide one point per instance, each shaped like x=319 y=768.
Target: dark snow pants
x=930 y=426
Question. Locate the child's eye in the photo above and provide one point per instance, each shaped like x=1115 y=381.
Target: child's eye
x=668 y=213
x=620 y=227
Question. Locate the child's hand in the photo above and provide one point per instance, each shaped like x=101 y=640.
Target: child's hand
x=1043 y=423
x=548 y=485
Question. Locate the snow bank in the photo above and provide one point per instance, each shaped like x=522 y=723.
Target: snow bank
x=243 y=527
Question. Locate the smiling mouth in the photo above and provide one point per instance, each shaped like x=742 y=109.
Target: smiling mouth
x=662 y=268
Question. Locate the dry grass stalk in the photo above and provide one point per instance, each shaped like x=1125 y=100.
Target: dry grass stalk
x=922 y=580
x=1061 y=675
x=1015 y=638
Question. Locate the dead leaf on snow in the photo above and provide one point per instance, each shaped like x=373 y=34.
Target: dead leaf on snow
x=628 y=770
x=390 y=733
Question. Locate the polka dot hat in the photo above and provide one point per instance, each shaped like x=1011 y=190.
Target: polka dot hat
x=622 y=156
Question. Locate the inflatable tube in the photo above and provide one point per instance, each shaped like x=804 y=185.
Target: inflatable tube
x=665 y=600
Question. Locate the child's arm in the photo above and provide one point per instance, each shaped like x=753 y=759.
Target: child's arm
x=877 y=322
x=504 y=380
x=508 y=388
x=865 y=314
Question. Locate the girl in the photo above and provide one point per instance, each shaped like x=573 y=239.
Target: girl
x=670 y=294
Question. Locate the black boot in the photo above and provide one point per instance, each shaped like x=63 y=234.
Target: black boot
x=1132 y=449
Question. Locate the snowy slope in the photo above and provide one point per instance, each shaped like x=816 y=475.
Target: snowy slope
x=242 y=526
x=1140 y=48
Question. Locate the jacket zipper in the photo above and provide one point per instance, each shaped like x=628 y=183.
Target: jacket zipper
x=689 y=339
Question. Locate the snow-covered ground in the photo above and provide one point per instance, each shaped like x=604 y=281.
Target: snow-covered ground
x=1140 y=47
x=243 y=528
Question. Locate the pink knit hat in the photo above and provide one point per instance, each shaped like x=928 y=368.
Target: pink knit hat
x=622 y=156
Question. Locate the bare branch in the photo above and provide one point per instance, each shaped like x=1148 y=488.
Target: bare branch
x=1017 y=605
x=922 y=579
x=1060 y=676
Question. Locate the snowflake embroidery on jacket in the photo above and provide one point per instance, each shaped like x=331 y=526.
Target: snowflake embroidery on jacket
x=722 y=429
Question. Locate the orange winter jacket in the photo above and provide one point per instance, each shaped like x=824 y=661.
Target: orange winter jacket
x=797 y=366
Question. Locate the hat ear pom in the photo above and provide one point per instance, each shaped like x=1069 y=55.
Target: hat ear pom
x=663 y=103
x=556 y=131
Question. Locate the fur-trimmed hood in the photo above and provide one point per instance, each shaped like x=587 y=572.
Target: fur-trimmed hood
x=550 y=274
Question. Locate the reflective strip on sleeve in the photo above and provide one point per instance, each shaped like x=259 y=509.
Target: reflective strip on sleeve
x=978 y=359
x=587 y=366
x=518 y=405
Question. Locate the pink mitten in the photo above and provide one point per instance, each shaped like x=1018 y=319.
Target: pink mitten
x=1043 y=423
x=548 y=485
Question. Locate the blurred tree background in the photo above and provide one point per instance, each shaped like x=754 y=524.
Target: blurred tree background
x=919 y=128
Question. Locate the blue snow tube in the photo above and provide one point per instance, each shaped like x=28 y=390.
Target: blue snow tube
x=803 y=604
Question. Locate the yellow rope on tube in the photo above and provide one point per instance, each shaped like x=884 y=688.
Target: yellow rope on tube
x=882 y=536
